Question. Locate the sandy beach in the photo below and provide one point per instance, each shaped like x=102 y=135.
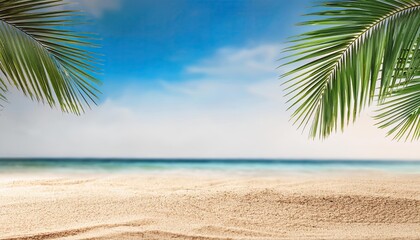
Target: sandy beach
x=210 y=206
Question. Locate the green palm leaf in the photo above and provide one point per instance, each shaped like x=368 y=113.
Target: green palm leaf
x=44 y=60
x=402 y=112
x=360 y=55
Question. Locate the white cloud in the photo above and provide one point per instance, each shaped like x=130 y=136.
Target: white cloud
x=233 y=77
x=230 y=107
x=247 y=64
x=97 y=7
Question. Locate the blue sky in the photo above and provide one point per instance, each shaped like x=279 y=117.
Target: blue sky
x=152 y=39
x=188 y=78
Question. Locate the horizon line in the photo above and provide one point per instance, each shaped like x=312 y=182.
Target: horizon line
x=201 y=159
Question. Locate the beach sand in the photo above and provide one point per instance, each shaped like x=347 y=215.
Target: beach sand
x=199 y=205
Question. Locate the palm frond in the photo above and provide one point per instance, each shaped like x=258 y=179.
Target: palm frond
x=347 y=64
x=42 y=58
x=401 y=112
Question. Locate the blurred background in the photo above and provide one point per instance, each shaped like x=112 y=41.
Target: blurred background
x=188 y=79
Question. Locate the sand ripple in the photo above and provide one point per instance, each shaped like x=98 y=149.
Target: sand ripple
x=207 y=208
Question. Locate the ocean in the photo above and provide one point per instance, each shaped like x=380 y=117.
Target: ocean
x=243 y=165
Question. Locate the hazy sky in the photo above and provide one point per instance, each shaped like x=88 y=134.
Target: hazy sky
x=188 y=78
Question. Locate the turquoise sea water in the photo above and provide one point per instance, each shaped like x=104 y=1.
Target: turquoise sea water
x=248 y=165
